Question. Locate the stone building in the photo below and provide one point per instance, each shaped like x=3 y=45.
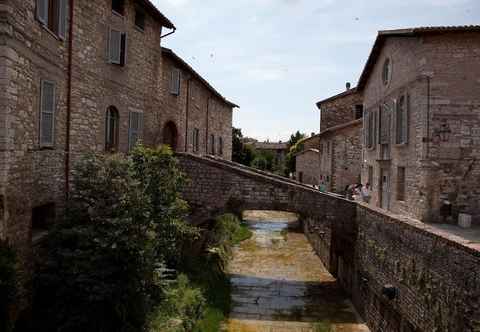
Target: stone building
x=88 y=78
x=193 y=117
x=421 y=90
x=340 y=144
x=307 y=161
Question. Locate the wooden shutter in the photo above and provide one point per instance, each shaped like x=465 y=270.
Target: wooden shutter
x=42 y=11
x=62 y=18
x=134 y=129
x=114 y=46
x=123 y=49
x=406 y=119
x=47 y=113
x=175 y=81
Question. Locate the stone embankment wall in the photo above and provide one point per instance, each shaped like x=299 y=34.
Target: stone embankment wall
x=435 y=280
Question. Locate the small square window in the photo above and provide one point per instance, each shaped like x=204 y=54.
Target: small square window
x=140 y=19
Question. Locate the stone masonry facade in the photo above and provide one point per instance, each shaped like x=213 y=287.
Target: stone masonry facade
x=402 y=275
x=115 y=91
x=422 y=122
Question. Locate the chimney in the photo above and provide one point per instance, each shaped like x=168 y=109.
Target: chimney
x=348 y=86
x=313 y=134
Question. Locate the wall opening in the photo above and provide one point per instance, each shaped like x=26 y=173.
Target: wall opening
x=42 y=218
x=170 y=135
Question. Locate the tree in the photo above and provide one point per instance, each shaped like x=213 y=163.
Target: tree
x=294 y=146
x=241 y=153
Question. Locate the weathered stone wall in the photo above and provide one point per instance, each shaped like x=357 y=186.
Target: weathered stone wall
x=306 y=165
x=339 y=109
x=439 y=74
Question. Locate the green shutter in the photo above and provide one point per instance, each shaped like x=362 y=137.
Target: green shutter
x=47 y=113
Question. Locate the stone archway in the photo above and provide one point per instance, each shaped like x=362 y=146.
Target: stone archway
x=170 y=135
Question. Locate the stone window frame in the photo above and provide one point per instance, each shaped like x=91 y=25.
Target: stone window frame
x=371 y=128
x=112 y=133
x=57 y=26
x=43 y=112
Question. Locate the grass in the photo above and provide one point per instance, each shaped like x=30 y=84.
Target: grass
x=322 y=327
x=243 y=233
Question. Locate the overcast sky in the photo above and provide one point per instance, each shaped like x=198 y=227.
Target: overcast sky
x=276 y=58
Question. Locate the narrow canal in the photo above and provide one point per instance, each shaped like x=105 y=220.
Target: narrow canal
x=280 y=285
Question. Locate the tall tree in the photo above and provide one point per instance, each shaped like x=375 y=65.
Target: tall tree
x=294 y=146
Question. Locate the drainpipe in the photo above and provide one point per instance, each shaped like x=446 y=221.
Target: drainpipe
x=69 y=100
x=186 y=114
x=428 y=118
x=168 y=34
x=208 y=111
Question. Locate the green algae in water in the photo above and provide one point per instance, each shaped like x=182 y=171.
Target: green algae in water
x=323 y=327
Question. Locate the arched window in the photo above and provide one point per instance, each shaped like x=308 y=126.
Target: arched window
x=112 y=122
x=170 y=135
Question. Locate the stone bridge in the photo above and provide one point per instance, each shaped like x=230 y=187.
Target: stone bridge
x=402 y=275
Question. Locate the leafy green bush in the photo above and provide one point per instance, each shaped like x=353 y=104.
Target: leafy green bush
x=182 y=308
x=7 y=285
x=124 y=220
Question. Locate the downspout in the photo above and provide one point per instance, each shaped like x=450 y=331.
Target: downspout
x=186 y=114
x=168 y=34
x=208 y=110
x=428 y=118
x=69 y=100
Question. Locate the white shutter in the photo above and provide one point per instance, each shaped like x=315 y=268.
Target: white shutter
x=114 y=46
x=47 y=113
x=62 y=18
x=42 y=11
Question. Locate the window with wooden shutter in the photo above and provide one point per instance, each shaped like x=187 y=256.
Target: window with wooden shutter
x=53 y=15
x=401 y=119
x=135 y=129
x=47 y=113
x=112 y=122
x=212 y=144
x=117 y=46
x=175 y=81
x=220 y=146
x=196 y=140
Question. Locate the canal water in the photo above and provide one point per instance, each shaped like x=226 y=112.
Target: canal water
x=280 y=285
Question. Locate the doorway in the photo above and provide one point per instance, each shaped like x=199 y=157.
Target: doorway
x=170 y=135
x=384 y=188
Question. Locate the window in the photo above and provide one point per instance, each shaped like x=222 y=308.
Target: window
x=117 y=46
x=112 y=121
x=401 y=120
x=387 y=71
x=384 y=124
x=42 y=218
x=47 y=113
x=358 y=112
x=220 y=146
x=135 y=128
x=401 y=184
x=53 y=15
x=370 y=175
x=118 y=6
x=175 y=82
x=140 y=19
x=212 y=144
x=196 y=138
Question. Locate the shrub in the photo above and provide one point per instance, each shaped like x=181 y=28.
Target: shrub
x=7 y=285
x=124 y=220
